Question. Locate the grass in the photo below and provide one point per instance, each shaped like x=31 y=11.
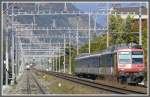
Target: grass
x=69 y=88
x=66 y=87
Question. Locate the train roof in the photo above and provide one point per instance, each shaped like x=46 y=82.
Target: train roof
x=110 y=50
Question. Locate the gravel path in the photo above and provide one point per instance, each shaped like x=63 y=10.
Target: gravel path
x=21 y=87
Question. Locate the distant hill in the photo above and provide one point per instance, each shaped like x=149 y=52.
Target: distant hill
x=47 y=21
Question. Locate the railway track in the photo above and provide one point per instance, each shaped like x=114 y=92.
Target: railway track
x=38 y=85
x=32 y=81
x=28 y=84
x=93 y=84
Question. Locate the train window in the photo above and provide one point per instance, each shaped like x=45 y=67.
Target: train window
x=125 y=57
x=109 y=60
x=137 y=60
x=137 y=53
x=102 y=61
x=93 y=61
x=137 y=57
x=89 y=62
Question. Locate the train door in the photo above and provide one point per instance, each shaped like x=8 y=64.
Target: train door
x=102 y=66
x=105 y=63
x=115 y=65
x=99 y=64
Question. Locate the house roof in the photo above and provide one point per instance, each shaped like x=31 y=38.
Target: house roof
x=130 y=10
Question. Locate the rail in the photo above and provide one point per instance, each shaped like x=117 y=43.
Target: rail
x=29 y=88
x=92 y=83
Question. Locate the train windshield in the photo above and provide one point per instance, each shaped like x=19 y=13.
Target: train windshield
x=137 y=57
x=124 y=57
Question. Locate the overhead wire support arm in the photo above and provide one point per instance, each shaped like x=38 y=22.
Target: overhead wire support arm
x=140 y=26
x=12 y=49
x=70 y=65
x=59 y=56
x=6 y=62
x=89 y=31
x=77 y=39
x=107 y=25
x=64 y=54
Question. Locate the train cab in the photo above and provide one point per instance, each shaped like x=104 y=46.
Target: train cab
x=131 y=64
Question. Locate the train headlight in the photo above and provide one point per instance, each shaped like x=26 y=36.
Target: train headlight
x=140 y=69
x=122 y=69
x=122 y=65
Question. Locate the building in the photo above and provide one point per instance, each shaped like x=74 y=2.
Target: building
x=133 y=11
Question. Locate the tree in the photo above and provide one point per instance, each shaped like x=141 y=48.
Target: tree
x=128 y=24
x=121 y=29
x=112 y=24
x=127 y=30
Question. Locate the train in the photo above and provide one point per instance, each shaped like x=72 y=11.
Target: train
x=125 y=63
x=28 y=67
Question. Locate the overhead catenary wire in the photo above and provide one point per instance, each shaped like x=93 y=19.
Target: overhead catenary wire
x=66 y=38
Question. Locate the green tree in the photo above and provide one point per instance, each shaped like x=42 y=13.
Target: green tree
x=112 y=24
x=121 y=29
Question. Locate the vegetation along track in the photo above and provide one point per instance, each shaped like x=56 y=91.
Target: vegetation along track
x=38 y=86
x=93 y=84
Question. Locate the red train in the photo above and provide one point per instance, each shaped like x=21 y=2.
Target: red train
x=131 y=64
x=123 y=62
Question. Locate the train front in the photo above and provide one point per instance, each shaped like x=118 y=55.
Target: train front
x=131 y=65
